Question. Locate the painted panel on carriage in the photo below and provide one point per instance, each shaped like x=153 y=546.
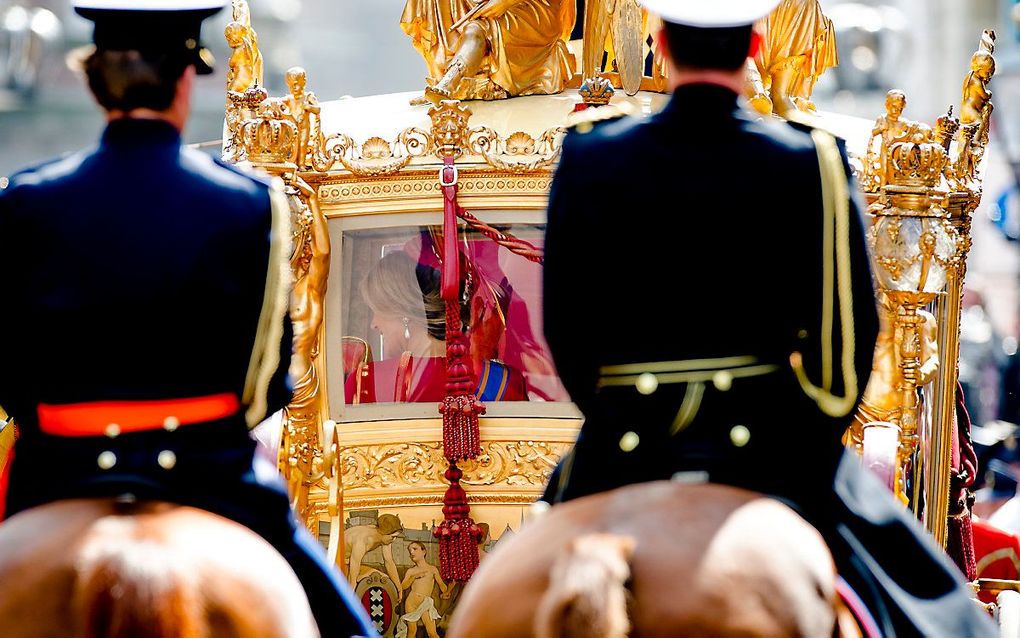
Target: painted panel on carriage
x=394 y=320
x=395 y=572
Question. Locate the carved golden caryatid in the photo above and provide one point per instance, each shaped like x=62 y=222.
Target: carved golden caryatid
x=491 y=49
x=798 y=45
x=306 y=438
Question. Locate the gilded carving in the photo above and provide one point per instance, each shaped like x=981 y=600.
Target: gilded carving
x=375 y=157
x=244 y=72
x=449 y=128
x=421 y=465
x=518 y=153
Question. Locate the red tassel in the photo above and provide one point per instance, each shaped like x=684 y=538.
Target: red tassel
x=460 y=408
x=458 y=535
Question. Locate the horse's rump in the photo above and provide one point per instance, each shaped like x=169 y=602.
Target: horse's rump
x=93 y=568
x=707 y=560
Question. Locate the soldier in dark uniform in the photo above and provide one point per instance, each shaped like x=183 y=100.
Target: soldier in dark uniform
x=710 y=309
x=145 y=288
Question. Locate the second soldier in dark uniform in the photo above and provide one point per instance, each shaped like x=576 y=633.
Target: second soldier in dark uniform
x=144 y=326
x=689 y=319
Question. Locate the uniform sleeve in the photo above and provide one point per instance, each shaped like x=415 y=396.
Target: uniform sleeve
x=566 y=275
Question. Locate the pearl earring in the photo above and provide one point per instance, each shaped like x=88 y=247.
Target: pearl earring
x=407 y=331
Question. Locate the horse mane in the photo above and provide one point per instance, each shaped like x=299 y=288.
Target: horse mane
x=587 y=594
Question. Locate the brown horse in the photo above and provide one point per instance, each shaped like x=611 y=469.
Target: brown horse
x=657 y=560
x=96 y=568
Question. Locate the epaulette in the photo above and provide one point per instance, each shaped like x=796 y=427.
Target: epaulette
x=584 y=121
x=811 y=121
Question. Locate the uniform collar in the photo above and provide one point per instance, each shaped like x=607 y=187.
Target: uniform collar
x=699 y=100
x=140 y=132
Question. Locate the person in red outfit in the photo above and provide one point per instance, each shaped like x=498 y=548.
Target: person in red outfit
x=409 y=313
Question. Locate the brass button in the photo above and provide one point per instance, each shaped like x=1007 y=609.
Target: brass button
x=803 y=334
x=167 y=460
x=722 y=380
x=629 y=441
x=740 y=435
x=171 y=423
x=647 y=383
x=106 y=460
x=190 y=43
x=112 y=430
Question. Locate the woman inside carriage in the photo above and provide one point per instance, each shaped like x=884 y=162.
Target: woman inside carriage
x=409 y=314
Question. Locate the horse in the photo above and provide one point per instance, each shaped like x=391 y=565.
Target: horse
x=108 y=568
x=654 y=560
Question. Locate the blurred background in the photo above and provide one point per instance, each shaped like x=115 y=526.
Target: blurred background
x=356 y=47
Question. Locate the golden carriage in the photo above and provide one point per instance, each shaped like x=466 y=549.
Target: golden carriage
x=371 y=179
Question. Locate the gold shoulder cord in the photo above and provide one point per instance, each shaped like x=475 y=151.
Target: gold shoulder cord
x=836 y=239
x=265 y=355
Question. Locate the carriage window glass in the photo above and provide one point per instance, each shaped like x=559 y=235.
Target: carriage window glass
x=394 y=343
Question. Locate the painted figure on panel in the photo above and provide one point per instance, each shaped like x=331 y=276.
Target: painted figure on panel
x=420 y=581
x=361 y=539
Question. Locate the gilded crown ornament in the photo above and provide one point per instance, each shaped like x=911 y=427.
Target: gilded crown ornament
x=917 y=164
x=271 y=136
x=596 y=91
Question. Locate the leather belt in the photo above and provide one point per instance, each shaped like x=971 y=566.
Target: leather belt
x=111 y=418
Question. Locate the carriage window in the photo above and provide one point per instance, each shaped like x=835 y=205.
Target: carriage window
x=394 y=342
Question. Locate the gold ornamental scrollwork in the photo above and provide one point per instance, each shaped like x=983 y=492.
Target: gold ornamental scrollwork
x=421 y=465
x=518 y=153
x=375 y=157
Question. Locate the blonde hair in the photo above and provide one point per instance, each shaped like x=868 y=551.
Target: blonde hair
x=399 y=286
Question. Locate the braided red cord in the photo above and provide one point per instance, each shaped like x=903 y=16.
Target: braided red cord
x=513 y=244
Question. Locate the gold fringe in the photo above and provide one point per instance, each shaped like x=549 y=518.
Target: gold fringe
x=265 y=355
x=836 y=210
